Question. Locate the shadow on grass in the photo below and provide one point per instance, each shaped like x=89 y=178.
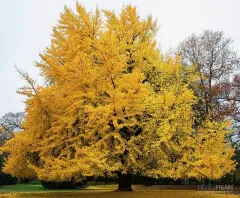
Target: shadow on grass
x=35 y=190
x=36 y=186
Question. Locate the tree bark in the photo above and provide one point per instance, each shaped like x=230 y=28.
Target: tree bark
x=106 y=178
x=124 y=181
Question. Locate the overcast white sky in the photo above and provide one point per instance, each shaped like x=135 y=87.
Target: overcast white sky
x=26 y=26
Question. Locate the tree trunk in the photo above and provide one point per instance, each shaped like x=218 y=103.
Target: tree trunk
x=1 y=179
x=105 y=178
x=95 y=180
x=124 y=182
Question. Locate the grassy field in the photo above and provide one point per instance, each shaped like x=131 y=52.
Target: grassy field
x=35 y=190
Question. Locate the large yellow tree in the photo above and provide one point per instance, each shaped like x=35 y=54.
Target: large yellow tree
x=113 y=104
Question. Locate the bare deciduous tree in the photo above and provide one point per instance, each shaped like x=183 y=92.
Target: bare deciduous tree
x=12 y=122
x=215 y=60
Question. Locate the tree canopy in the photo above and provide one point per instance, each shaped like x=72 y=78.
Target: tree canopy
x=113 y=104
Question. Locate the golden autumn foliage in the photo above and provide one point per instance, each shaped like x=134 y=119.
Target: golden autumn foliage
x=113 y=103
x=212 y=153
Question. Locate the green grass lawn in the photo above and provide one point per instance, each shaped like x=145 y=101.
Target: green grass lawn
x=35 y=190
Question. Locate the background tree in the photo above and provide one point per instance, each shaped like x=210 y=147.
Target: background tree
x=113 y=105
x=215 y=61
x=10 y=123
x=234 y=95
